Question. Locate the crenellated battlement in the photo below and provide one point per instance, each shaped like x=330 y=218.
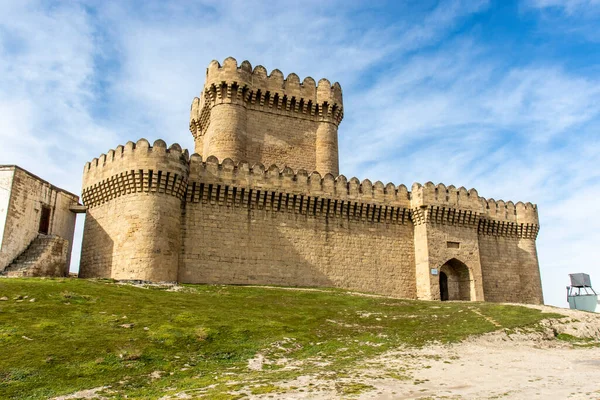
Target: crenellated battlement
x=254 y=88
x=259 y=177
x=440 y=195
x=524 y=213
x=139 y=167
x=259 y=79
x=275 y=189
x=134 y=168
x=446 y=204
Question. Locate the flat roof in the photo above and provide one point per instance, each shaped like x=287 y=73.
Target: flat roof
x=15 y=167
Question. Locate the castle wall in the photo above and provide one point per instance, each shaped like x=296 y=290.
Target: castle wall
x=134 y=196
x=241 y=245
x=262 y=216
x=246 y=225
x=435 y=245
x=155 y=215
x=510 y=269
x=508 y=253
x=281 y=140
x=446 y=222
x=28 y=195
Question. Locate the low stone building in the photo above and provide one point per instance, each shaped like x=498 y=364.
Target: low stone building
x=37 y=222
x=261 y=202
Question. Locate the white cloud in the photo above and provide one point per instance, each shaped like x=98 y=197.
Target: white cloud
x=163 y=63
x=576 y=18
x=569 y=6
x=46 y=89
x=461 y=99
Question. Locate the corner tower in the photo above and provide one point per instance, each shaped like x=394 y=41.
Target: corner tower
x=134 y=195
x=246 y=115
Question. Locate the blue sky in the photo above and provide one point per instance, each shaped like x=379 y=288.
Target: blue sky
x=503 y=96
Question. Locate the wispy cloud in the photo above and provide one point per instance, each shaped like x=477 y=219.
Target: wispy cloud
x=461 y=100
x=579 y=18
x=162 y=64
x=568 y=6
x=46 y=88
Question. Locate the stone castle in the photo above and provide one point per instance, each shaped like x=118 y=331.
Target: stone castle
x=261 y=201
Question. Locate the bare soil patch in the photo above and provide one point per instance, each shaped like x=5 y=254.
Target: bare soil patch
x=504 y=364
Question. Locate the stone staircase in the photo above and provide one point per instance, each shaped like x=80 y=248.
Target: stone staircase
x=46 y=255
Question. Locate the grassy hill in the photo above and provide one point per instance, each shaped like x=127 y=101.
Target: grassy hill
x=59 y=336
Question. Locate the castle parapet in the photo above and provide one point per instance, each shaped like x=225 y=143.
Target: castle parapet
x=236 y=184
x=509 y=219
x=135 y=167
x=228 y=82
x=446 y=204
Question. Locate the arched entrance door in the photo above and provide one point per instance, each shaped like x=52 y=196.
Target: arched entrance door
x=443 y=286
x=455 y=281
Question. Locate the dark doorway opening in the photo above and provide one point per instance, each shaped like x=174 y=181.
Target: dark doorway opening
x=457 y=281
x=45 y=220
x=444 y=287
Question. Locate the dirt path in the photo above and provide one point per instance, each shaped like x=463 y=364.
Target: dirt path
x=493 y=366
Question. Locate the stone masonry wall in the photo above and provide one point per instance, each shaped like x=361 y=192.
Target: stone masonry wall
x=438 y=252
x=247 y=225
x=136 y=237
x=154 y=214
x=28 y=195
x=281 y=140
x=53 y=261
x=237 y=244
x=493 y=239
x=45 y=256
x=510 y=269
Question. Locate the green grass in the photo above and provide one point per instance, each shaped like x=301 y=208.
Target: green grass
x=577 y=341
x=76 y=335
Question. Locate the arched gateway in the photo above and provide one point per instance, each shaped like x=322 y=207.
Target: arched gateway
x=455 y=281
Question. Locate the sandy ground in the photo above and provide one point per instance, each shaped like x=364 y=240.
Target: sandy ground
x=499 y=365
x=493 y=366
x=477 y=370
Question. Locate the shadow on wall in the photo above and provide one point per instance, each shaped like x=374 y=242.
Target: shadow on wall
x=253 y=249
x=250 y=246
x=509 y=269
x=96 y=250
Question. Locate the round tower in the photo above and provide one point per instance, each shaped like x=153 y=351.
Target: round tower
x=134 y=196
x=221 y=112
x=329 y=99
x=249 y=115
